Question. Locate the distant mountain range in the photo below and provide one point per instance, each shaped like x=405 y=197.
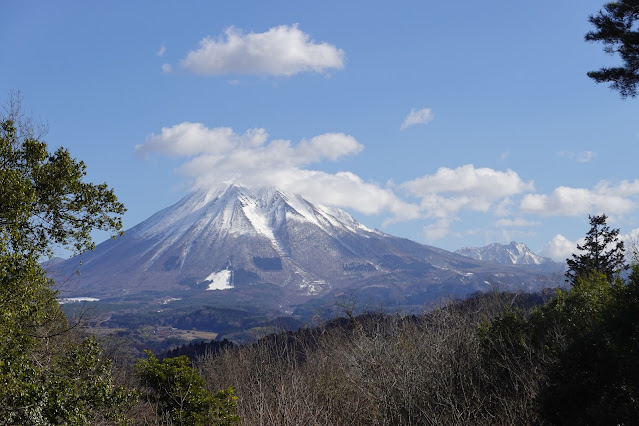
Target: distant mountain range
x=511 y=254
x=235 y=246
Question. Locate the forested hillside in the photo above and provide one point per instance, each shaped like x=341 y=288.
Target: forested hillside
x=494 y=359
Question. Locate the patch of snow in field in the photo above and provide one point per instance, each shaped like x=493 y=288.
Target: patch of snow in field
x=77 y=299
x=219 y=280
x=312 y=287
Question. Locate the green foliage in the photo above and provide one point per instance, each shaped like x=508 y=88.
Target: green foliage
x=45 y=378
x=617 y=30
x=76 y=388
x=44 y=200
x=602 y=253
x=593 y=377
x=181 y=395
x=584 y=347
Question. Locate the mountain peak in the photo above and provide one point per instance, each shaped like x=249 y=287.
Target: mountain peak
x=511 y=254
x=269 y=244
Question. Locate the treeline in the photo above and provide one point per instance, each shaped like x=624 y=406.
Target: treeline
x=227 y=322
x=197 y=350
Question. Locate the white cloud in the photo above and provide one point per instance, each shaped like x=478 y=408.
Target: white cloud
x=624 y=188
x=630 y=236
x=329 y=145
x=221 y=155
x=281 y=51
x=515 y=223
x=585 y=156
x=167 y=68
x=566 y=201
x=161 y=51
x=559 y=248
x=468 y=180
x=214 y=155
x=342 y=189
x=420 y=116
x=222 y=149
x=438 y=230
x=631 y=245
x=503 y=207
x=580 y=157
x=451 y=190
x=189 y=139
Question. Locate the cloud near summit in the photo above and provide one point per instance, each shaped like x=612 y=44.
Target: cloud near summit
x=281 y=51
x=241 y=151
x=252 y=159
x=210 y=156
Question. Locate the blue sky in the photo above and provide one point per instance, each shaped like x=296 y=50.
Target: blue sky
x=449 y=123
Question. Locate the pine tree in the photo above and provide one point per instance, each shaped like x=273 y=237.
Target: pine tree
x=617 y=30
x=602 y=252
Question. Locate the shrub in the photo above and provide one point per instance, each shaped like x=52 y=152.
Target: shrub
x=180 y=394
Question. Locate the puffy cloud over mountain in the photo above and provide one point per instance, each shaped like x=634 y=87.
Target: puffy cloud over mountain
x=281 y=51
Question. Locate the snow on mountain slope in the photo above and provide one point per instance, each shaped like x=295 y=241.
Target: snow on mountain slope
x=241 y=242
x=232 y=209
x=219 y=280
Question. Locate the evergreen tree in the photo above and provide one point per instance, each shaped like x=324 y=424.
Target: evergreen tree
x=47 y=375
x=617 y=30
x=580 y=350
x=602 y=253
x=180 y=393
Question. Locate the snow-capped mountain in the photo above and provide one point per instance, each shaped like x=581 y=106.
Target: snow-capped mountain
x=512 y=254
x=272 y=245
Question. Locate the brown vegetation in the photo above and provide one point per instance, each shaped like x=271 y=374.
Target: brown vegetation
x=377 y=369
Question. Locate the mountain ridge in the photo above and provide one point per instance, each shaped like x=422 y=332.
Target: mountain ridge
x=513 y=253
x=277 y=248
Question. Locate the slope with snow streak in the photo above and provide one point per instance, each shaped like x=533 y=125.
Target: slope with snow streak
x=207 y=231
x=276 y=245
x=512 y=254
x=232 y=209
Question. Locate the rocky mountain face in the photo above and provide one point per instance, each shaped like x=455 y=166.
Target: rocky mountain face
x=273 y=247
x=509 y=254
